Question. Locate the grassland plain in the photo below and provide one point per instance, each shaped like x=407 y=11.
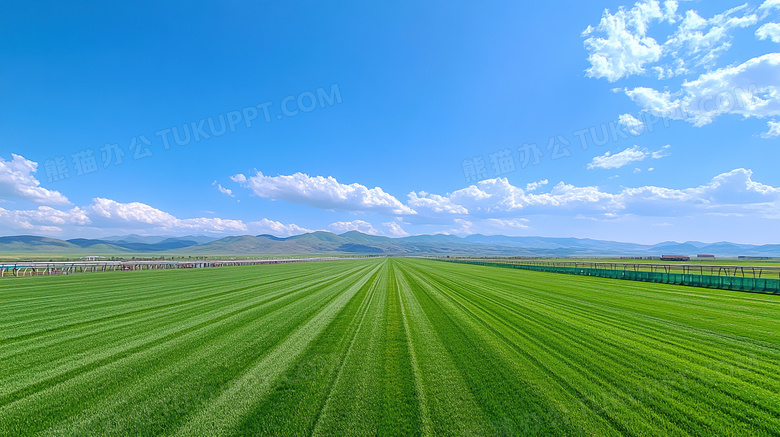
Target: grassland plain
x=383 y=347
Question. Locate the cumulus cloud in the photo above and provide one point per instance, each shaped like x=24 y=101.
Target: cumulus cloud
x=394 y=229
x=774 y=130
x=631 y=124
x=770 y=31
x=619 y=45
x=434 y=204
x=733 y=192
x=133 y=212
x=133 y=215
x=42 y=219
x=322 y=192
x=489 y=204
x=497 y=197
x=464 y=227
x=17 y=180
x=750 y=89
x=354 y=225
x=388 y=229
x=278 y=229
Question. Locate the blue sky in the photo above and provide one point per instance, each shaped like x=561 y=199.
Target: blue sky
x=641 y=122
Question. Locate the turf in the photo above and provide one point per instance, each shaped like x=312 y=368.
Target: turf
x=383 y=347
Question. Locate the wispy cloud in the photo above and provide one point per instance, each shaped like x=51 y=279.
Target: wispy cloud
x=221 y=189
x=620 y=159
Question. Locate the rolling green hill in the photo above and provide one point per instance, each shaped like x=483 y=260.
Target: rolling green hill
x=354 y=242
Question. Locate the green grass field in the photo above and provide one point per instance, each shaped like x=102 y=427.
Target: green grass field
x=383 y=347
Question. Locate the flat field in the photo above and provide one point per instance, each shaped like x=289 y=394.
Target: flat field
x=383 y=347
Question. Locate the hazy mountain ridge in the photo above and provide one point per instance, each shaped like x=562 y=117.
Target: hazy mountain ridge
x=354 y=242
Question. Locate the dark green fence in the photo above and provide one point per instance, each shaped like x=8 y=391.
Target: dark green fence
x=737 y=283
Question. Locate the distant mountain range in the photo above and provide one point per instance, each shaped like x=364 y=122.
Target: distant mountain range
x=358 y=243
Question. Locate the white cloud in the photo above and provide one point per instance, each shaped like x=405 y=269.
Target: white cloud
x=750 y=89
x=769 y=30
x=434 y=204
x=497 y=197
x=213 y=224
x=663 y=153
x=631 y=124
x=42 y=219
x=394 y=229
x=464 y=227
x=699 y=41
x=733 y=192
x=535 y=185
x=354 y=225
x=520 y=223
x=661 y=103
x=17 y=180
x=221 y=189
x=322 y=192
x=278 y=229
x=769 y=5
x=388 y=229
x=135 y=214
x=620 y=159
x=619 y=46
x=774 y=130
x=132 y=217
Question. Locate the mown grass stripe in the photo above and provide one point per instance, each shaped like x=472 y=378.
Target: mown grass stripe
x=222 y=414
x=447 y=404
x=175 y=303
x=506 y=401
x=384 y=346
x=353 y=405
x=210 y=368
x=127 y=351
x=184 y=336
x=722 y=420
x=303 y=390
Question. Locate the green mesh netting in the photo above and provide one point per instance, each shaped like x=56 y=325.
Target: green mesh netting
x=738 y=283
